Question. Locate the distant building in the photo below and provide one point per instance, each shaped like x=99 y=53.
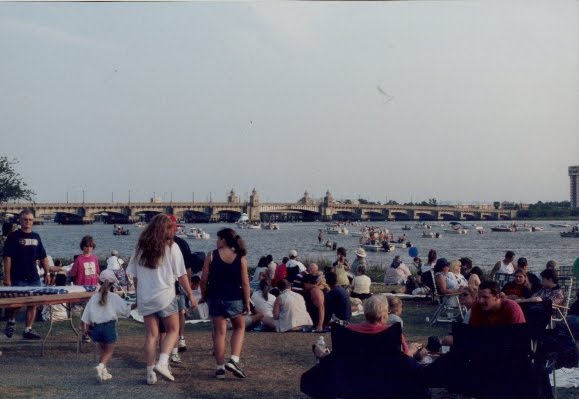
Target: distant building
x=573 y=183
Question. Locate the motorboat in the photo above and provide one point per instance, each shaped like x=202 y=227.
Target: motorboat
x=121 y=232
x=336 y=229
x=537 y=228
x=243 y=221
x=455 y=231
x=197 y=234
x=271 y=226
x=560 y=225
x=372 y=247
x=254 y=226
x=574 y=232
x=430 y=234
x=181 y=231
x=503 y=229
x=407 y=227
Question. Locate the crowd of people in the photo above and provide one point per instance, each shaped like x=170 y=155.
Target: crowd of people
x=167 y=279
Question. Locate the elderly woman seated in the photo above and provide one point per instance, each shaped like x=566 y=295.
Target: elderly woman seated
x=397 y=273
x=376 y=314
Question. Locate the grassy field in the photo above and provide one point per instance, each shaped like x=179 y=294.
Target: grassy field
x=273 y=362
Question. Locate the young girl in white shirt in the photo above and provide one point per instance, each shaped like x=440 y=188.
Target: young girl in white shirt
x=101 y=314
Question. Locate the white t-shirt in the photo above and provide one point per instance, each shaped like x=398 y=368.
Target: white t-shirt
x=156 y=287
x=114 y=308
x=293 y=263
x=361 y=284
x=263 y=306
x=114 y=263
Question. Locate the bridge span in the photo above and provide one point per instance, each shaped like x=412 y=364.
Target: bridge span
x=305 y=209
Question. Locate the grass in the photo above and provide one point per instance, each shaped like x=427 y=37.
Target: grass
x=273 y=362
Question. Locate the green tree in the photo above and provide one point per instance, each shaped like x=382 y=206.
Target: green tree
x=12 y=186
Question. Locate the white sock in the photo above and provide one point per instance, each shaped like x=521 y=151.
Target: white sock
x=174 y=351
x=101 y=366
x=235 y=358
x=28 y=329
x=150 y=369
x=221 y=366
x=163 y=359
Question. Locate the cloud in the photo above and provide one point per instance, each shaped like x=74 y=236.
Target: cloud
x=50 y=34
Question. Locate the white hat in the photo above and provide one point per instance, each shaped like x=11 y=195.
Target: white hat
x=108 y=275
x=293 y=253
x=114 y=252
x=360 y=252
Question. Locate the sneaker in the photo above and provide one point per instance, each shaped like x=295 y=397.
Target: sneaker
x=9 y=330
x=100 y=373
x=85 y=339
x=235 y=368
x=30 y=335
x=220 y=374
x=182 y=346
x=175 y=358
x=106 y=375
x=164 y=370
x=151 y=378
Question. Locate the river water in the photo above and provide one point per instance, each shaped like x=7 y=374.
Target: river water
x=484 y=249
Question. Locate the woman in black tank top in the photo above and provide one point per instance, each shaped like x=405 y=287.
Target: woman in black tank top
x=225 y=287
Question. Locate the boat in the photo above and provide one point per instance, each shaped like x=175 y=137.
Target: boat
x=503 y=229
x=574 y=232
x=537 y=228
x=243 y=221
x=407 y=227
x=430 y=234
x=563 y=225
x=455 y=231
x=121 y=232
x=271 y=226
x=181 y=231
x=140 y=224
x=336 y=229
x=197 y=234
x=372 y=247
x=254 y=226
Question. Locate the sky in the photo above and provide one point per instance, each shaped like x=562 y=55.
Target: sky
x=464 y=102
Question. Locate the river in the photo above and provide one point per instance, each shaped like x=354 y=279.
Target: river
x=484 y=249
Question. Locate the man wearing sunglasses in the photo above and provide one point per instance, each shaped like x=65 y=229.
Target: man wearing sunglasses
x=22 y=249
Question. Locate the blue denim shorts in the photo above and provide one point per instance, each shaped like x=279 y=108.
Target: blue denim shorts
x=169 y=310
x=105 y=333
x=181 y=299
x=227 y=309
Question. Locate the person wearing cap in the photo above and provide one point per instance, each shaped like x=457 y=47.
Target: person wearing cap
x=101 y=314
x=534 y=281
x=294 y=266
x=359 y=261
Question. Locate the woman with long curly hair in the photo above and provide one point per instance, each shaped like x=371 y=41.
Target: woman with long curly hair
x=225 y=287
x=155 y=265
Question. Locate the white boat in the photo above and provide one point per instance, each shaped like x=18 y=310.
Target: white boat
x=254 y=226
x=181 y=233
x=372 y=247
x=198 y=234
x=455 y=231
x=271 y=226
x=407 y=227
x=336 y=229
x=140 y=224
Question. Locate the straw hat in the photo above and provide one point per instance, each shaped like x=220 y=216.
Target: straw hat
x=360 y=252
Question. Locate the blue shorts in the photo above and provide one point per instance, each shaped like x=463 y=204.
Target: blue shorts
x=105 y=333
x=227 y=309
x=35 y=283
x=169 y=310
x=181 y=302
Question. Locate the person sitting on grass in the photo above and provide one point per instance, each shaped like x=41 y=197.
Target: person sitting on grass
x=395 y=306
x=289 y=310
x=337 y=301
x=361 y=284
x=101 y=313
x=263 y=302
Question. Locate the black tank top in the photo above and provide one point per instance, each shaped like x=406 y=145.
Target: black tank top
x=224 y=279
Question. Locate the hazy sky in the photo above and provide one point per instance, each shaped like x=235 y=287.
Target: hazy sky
x=462 y=101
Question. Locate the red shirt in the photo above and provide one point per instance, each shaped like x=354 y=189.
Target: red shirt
x=85 y=270
x=367 y=328
x=508 y=313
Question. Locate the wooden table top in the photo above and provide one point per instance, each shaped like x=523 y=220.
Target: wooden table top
x=45 y=299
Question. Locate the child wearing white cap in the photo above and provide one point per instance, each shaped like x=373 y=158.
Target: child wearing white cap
x=101 y=314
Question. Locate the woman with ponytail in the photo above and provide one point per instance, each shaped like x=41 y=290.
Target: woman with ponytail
x=101 y=313
x=225 y=287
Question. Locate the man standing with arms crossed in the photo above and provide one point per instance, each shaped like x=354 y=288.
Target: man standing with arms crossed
x=22 y=249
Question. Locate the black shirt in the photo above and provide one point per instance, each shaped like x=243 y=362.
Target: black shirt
x=24 y=249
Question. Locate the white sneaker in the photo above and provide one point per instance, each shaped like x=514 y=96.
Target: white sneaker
x=164 y=370
x=100 y=373
x=175 y=358
x=106 y=375
x=182 y=346
x=151 y=378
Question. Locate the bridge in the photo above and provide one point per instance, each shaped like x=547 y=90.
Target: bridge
x=306 y=209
